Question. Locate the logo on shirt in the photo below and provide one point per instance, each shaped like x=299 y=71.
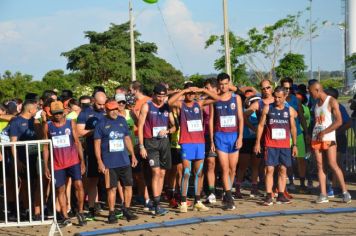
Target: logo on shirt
x=115 y=135
x=166 y=113
x=67 y=131
x=233 y=106
x=107 y=127
x=152 y=162
x=23 y=124
x=285 y=114
x=271 y=121
x=196 y=110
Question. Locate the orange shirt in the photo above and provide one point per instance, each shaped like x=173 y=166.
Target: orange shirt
x=137 y=108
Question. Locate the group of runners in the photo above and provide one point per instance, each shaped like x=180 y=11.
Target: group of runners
x=135 y=145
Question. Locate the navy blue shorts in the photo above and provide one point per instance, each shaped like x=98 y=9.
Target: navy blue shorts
x=60 y=176
x=278 y=156
x=226 y=142
x=192 y=151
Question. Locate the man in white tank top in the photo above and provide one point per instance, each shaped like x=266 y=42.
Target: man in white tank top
x=327 y=120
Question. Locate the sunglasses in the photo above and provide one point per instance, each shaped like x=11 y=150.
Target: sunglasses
x=122 y=102
x=266 y=88
x=286 y=88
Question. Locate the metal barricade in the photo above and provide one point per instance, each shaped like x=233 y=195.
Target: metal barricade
x=33 y=148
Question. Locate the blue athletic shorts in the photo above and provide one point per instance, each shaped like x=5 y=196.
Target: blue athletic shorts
x=60 y=176
x=226 y=142
x=278 y=156
x=192 y=151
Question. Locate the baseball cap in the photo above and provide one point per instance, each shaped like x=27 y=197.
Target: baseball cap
x=120 y=97
x=57 y=107
x=111 y=105
x=160 y=89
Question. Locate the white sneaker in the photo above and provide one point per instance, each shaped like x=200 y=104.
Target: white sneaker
x=183 y=208
x=199 y=206
x=211 y=199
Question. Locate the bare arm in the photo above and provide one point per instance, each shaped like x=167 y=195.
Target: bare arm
x=141 y=122
x=253 y=108
x=261 y=125
x=211 y=123
x=173 y=101
x=82 y=132
x=293 y=131
x=46 y=152
x=241 y=118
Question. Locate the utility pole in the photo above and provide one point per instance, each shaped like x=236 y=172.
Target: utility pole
x=132 y=41
x=226 y=37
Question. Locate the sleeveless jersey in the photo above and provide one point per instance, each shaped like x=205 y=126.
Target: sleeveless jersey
x=191 y=124
x=157 y=119
x=65 y=152
x=225 y=115
x=277 y=127
x=323 y=119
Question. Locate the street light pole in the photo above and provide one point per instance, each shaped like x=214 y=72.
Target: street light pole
x=132 y=42
x=226 y=37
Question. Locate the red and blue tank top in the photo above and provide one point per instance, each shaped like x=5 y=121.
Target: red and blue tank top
x=225 y=115
x=157 y=119
x=191 y=124
x=277 y=127
x=65 y=152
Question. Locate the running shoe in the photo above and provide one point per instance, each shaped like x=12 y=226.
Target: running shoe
x=199 y=206
x=160 y=211
x=346 y=197
x=81 y=219
x=330 y=192
x=118 y=213
x=90 y=216
x=268 y=201
x=183 y=208
x=230 y=206
x=282 y=200
x=211 y=199
x=148 y=207
x=65 y=223
x=129 y=215
x=173 y=203
x=322 y=199
x=112 y=218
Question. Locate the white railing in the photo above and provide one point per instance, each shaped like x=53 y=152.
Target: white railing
x=30 y=222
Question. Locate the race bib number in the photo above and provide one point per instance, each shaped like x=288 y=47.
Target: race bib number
x=156 y=130
x=4 y=138
x=116 y=145
x=61 y=141
x=317 y=129
x=227 y=121
x=279 y=134
x=194 y=125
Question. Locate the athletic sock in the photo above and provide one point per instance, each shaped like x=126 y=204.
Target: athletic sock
x=211 y=190
x=197 y=198
x=156 y=200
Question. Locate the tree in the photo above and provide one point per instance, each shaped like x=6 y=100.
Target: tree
x=14 y=85
x=291 y=65
x=261 y=49
x=107 y=57
x=56 y=79
x=351 y=62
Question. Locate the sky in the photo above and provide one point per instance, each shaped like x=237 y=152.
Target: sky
x=34 y=33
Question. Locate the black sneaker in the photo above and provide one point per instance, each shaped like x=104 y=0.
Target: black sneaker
x=268 y=201
x=90 y=216
x=118 y=213
x=98 y=207
x=65 y=223
x=37 y=217
x=230 y=206
x=81 y=219
x=129 y=215
x=283 y=200
x=112 y=218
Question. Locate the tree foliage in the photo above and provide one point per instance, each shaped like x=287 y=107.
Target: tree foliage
x=263 y=48
x=291 y=65
x=107 y=56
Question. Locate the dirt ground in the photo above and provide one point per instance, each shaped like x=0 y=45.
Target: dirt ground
x=318 y=224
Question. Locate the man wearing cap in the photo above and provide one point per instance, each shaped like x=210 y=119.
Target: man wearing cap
x=153 y=127
x=68 y=159
x=111 y=138
x=87 y=120
x=25 y=128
